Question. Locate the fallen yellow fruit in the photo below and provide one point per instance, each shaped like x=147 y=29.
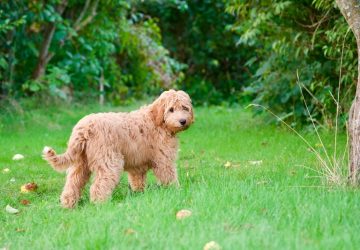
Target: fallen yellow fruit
x=227 y=164
x=182 y=214
x=212 y=245
x=29 y=187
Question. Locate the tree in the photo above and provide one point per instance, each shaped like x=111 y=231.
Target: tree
x=306 y=36
x=45 y=56
x=350 y=9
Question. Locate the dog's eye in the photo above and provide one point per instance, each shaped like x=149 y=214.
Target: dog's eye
x=185 y=108
x=171 y=110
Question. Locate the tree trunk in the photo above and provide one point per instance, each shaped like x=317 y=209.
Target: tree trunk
x=44 y=52
x=44 y=55
x=101 y=89
x=81 y=22
x=351 y=11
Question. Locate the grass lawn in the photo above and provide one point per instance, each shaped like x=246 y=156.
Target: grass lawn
x=278 y=204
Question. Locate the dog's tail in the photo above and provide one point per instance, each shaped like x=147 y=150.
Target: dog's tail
x=58 y=162
x=64 y=161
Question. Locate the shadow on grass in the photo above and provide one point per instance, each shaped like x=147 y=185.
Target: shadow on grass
x=121 y=193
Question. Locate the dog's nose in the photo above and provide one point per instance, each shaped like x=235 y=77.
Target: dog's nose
x=182 y=122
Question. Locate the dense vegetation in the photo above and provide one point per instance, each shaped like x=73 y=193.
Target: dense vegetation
x=219 y=51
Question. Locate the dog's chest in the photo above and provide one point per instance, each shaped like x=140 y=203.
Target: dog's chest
x=136 y=155
x=140 y=155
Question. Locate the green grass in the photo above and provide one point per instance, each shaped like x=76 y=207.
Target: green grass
x=276 y=205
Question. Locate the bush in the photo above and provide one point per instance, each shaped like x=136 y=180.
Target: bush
x=286 y=37
x=105 y=44
x=196 y=33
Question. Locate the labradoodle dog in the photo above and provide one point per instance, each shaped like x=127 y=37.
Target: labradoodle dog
x=110 y=143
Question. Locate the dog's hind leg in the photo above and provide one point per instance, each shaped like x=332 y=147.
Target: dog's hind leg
x=107 y=176
x=76 y=178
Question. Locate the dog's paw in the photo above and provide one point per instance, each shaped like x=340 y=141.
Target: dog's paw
x=47 y=151
x=68 y=200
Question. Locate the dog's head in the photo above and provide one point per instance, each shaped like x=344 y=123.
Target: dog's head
x=173 y=110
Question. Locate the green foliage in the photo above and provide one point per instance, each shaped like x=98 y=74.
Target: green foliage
x=93 y=43
x=142 y=53
x=286 y=37
x=53 y=81
x=7 y=24
x=219 y=51
x=196 y=33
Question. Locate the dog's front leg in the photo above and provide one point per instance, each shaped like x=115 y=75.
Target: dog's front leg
x=166 y=173
x=137 y=181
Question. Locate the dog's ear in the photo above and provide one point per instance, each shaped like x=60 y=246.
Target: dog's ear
x=192 y=114
x=158 y=110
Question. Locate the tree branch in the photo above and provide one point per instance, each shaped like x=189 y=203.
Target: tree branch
x=81 y=24
x=83 y=12
x=44 y=56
